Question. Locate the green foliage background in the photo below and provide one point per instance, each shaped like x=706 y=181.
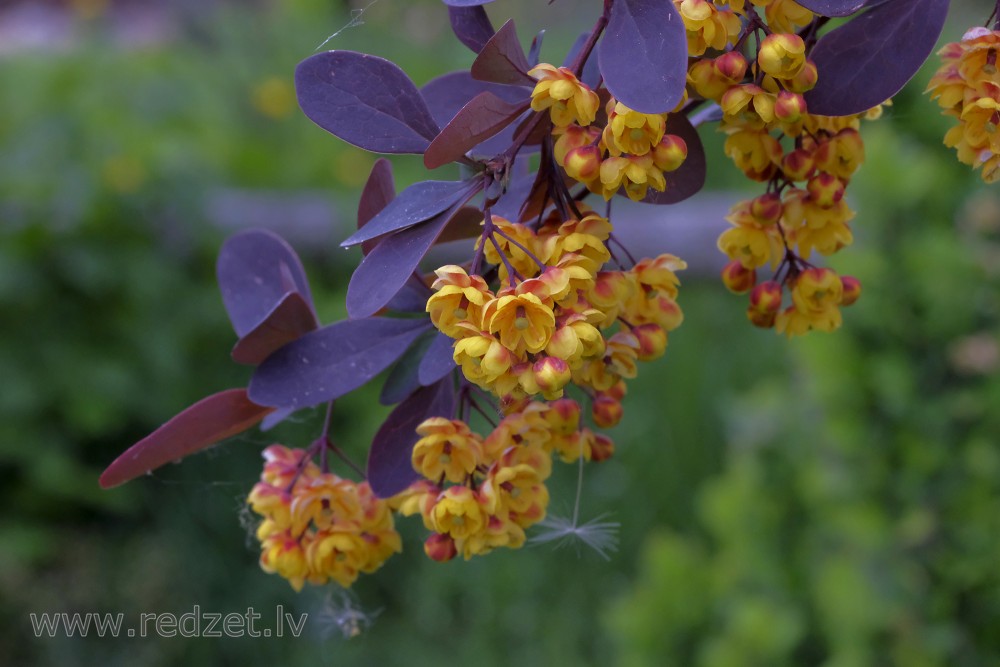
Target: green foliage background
x=829 y=501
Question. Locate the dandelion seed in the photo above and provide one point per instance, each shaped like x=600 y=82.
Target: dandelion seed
x=342 y=612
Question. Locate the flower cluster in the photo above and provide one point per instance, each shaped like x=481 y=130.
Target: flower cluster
x=560 y=317
x=478 y=494
x=967 y=87
x=624 y=150
x=317 y=526
x=804 y=209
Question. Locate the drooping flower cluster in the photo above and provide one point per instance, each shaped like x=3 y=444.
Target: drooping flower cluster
x=804 y=209
x=627 y=150
x=560 y=316
x=967 y=87
x=478 y=494
x=317 y=526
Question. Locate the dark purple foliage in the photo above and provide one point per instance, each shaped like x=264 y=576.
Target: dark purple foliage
x=256 y=269
x=412 y=298
x=274 y=418
x=502 y=60
x=387 y=268
x=535 y=52
x=871 y=57
x=437 y=361
x=466 y=3
x=379 y=191
x=467 y=224
x=471 y=26
x=421 y=201
x=404 y=377
x=390 y=466
x=366 y=101
x=208 y=421
x=290 y=319
x=591 y=72
x=833 y=7
x=643 y=55
x=481 y=118
x=690 y=177
x=330 y=362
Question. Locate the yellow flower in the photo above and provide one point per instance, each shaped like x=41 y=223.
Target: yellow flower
x=567 y=99
x=458 y=512
x=521 y=320
x=459 y=299
x=755 y=152
x=782 y=55
x=634 y=173
x=632 y=132
x=446 y=449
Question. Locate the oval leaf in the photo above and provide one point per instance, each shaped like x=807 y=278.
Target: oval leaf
x=208 y=421
x=404 y=378
x=364 y=100
x=256 y=269
x=384 y=272
x=379 y=191
x=643 y=55
x=833 y=7
x=290 y=319
x=471 y=25
x=481 y=118
x=502 y=60
x=690 y=177
x=871 y=57
x=412 y=298
x=437 y=361
x=330 y=362
x=419 y=202
x=390 y=467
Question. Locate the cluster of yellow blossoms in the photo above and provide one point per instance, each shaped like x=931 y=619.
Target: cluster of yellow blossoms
x=482 y=493
x=967 y=86
x=804 y=209
x=625 y=149
x=317 y=526
x=552 y=322
x=715 y=25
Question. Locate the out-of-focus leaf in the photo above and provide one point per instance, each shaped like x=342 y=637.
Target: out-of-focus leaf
x=421 y=201
x=330 y=362
x=871 y=57
x=390 y=467
x=208 y=421
x=274 y=418
x=437 y=361
x=502 y=60
x=833 y=7
x=536 y=48
x=379 y=191
x=591 y=71
x=290 y=319
x=384 y=272
x=467 y=224
x=412 y=298
x=690 y=177
x=482 y=117
x=256 y=269
x=471 y=26
x=366 y=101
x=643 y=55
x=466 y=3
x=404 y=378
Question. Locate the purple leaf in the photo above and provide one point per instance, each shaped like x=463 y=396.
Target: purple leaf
x=390 y=466
x=404 y=378
x=484 y=116
x=472 y=26
x=208 y=421
x=384 y=272
x=467 y=224
x=255 y=270
x=274 y=418
x=421 y=201
x=536 y=48
x=412 y=298
x=871 y=57
x=379 y=191
x=643 y=55
x=330 y=362
x=466 y=3
x=591 y=72
x=364 y=100
x=437 y=361
x=833 y=7
x=502 y=60
x=290 y=319
x=690 y=177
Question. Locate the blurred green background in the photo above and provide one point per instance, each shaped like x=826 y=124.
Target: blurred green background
x=829 y=501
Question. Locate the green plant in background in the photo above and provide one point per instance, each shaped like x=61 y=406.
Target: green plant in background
x=855 y=521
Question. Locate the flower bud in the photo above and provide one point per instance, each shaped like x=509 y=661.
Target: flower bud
x=766 y=209
x=601 y=447
x=618 y=390
x=606 y=411
x=652 y=341
x=551 y=374
x=731 y=65
x=789 y=107
x=798 y=165
x=440 y=547
x=782 y=55
x=583 y=163
x=737 y=278
x=765 y=302
x=805 y=80
x=670 y=153
x=825 y=189
x=852 y=290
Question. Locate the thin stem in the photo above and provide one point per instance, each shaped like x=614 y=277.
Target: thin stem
x=595 y=34
x=531 y=255
x=579 y=490
x=614 y=239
